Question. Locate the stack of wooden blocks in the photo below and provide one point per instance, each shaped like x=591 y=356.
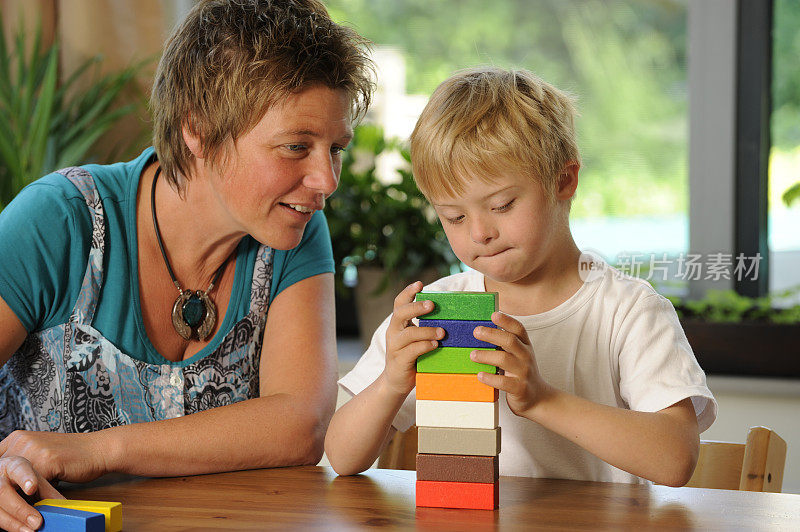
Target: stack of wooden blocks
x=457 y=415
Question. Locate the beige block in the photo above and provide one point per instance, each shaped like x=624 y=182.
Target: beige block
x=458 y=414
x=476 y=442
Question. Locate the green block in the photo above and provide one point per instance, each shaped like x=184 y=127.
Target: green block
x=452 y=360
x=460 y=305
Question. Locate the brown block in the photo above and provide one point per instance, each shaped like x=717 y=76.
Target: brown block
x=457 y=468
x=443 y=440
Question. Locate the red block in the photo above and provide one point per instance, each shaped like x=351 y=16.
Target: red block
x=470 y=495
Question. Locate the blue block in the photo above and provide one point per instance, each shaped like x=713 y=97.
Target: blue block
x=459 y=333
x=69 y=520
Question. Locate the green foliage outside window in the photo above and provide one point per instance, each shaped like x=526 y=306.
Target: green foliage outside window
x=786 y=88
x=624 y=60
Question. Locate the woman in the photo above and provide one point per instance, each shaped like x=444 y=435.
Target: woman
x=208 y=289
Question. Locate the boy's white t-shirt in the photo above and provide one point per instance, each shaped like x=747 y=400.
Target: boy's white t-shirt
x=615 y=342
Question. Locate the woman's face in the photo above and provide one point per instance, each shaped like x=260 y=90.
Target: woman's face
x=282 y=170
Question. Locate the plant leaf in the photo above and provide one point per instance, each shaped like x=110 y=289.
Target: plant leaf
x=792 y=194
x=41 y=117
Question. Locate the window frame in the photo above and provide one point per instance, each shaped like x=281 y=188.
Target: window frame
x=730 y=101
x=753 y=140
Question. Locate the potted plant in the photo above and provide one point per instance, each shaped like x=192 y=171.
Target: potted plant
x=738 y=335
x=44 y=124
x=385 y=234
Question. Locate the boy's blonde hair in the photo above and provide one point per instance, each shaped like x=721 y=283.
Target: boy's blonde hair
x=230 y=60
x=484 y=121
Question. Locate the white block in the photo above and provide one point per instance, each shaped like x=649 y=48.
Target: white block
x=458 y=414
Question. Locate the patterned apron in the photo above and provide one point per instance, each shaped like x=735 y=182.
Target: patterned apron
x=69 y=378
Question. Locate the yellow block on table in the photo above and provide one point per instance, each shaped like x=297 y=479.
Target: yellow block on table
x=112 y=510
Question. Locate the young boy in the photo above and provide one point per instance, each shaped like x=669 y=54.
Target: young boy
x=598 y=381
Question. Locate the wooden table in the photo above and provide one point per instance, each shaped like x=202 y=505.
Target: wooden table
x=314 y=498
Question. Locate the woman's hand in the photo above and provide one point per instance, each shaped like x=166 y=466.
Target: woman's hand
x=55 y=455
x=405 y=342
x=17 y=473
x=29 y=460
x=520 y=378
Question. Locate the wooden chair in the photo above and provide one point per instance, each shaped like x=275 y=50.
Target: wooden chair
x=753 y=466
x=401 y=452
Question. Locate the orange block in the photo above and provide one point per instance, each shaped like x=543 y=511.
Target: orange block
x=454 y=387
x=470 y=495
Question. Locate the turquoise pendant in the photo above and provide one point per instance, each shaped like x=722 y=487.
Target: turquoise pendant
x=194 y=315
x=193 y=311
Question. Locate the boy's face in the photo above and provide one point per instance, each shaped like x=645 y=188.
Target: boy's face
x=505 y=229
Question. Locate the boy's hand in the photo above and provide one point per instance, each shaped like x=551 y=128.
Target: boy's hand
x=405 y=342
x=520 y=380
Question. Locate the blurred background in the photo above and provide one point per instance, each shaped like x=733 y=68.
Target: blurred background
x=689 y=133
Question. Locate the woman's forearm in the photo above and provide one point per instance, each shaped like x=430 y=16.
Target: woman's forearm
x=359 y=429
x=276 y=430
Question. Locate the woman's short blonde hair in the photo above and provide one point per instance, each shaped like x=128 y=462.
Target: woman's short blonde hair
x=230 y=60
x=482 y=122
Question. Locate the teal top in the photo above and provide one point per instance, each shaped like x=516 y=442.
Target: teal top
x=45 y=238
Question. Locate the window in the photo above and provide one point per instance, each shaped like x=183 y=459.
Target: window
x=784 y=157
x=625 y=60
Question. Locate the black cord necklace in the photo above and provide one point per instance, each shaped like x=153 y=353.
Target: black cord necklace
x=193 y=314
